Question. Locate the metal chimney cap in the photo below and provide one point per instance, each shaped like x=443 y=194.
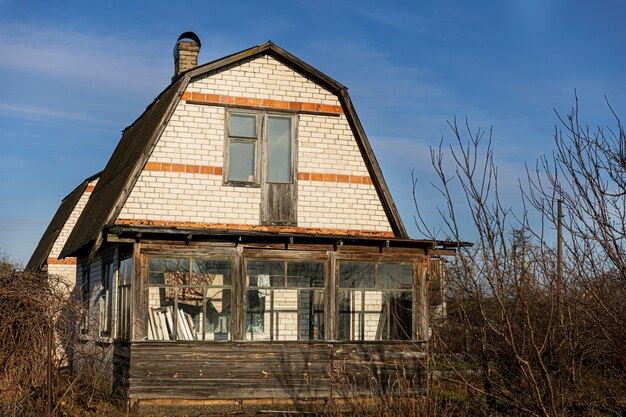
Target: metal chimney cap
x=189 y=35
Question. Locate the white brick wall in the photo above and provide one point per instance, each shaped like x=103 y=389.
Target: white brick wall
x=195 y=135
x=340 y=206
x=67 y=272
x=71 y=221
x=262 y=77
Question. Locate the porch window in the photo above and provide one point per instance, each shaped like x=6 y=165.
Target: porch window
x=124 y=298
x=284 y=300
x=189 y=298
x=106 y=297
x=375 y=301
x=85 y=301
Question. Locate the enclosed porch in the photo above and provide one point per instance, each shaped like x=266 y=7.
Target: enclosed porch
x=241 y=317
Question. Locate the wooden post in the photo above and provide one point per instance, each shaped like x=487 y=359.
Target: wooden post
x=330 y=298
x=238 y=283
x=139 y=318
x=420 y=314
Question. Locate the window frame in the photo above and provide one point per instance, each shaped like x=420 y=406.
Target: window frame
x=106 y=298
x=85 y=288
x=270 y=289
x=257 y=144
x=260 y=150
x=293 y=146
x=124 y=297
x=387 y=293
x=205 y=288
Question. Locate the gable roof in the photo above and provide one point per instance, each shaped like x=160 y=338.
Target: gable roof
x=140 y=138
x=63 y=213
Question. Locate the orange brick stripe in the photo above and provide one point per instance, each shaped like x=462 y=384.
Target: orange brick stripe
x=194 y=169
x=248 y=227
x=258 y=102
x=353 y=179
x=66 y=261
x=304 y=176
x=90 y=188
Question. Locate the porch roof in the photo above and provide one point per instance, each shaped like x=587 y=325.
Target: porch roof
x=254 y=236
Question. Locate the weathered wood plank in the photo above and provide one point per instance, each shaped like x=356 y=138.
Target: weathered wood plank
x=294 y=370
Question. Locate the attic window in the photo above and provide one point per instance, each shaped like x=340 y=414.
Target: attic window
x=255 y=137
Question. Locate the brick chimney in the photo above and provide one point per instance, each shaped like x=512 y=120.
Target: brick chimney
x=186 y=52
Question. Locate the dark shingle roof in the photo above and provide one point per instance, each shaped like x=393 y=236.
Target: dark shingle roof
x=139 y=139
x=122 y=170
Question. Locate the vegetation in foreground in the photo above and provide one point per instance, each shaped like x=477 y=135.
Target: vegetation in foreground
x=535 y=325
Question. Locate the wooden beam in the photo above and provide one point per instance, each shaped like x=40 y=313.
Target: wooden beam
x=139 y=303
x=113 y=238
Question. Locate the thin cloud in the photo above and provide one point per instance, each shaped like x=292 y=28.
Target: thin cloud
x=29 y=112
x=16 y=224
x=70 y=55
x=401 y=20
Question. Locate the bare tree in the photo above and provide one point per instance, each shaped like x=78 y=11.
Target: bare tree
x=533 y=339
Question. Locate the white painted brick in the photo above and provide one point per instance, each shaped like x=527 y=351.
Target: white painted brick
x=195 y=135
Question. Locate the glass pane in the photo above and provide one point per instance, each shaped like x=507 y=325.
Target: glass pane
x=285 y=315
x=168 y=271
x=189 y=313
x=243 y=125
x=211 y=272
x=266 y=274
x=217 y=323
x=241 y=161
x=161 y=313
x=350 y=315
x=279 y=149
x=126 y=270
x=395 y=276
x=257 y=314
x=375 y=315
x=401 y=317
x=359 y=275
x=311 y=315
x=305 y=274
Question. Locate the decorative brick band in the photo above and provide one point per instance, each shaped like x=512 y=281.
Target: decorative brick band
x=205 y=169
x=249 y=227
x=354 y=179
x=259 y=102
x=89 y=188
x=66 y=261
x=194 y=169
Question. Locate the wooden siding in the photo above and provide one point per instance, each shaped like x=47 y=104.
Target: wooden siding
x=121 y=366
x=291 y=370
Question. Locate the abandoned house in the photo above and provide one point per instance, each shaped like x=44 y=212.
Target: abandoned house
x=241 y=244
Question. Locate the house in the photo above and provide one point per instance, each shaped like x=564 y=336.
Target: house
x=241 y=244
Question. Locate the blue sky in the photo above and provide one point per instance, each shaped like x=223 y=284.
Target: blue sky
x=74 y=74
